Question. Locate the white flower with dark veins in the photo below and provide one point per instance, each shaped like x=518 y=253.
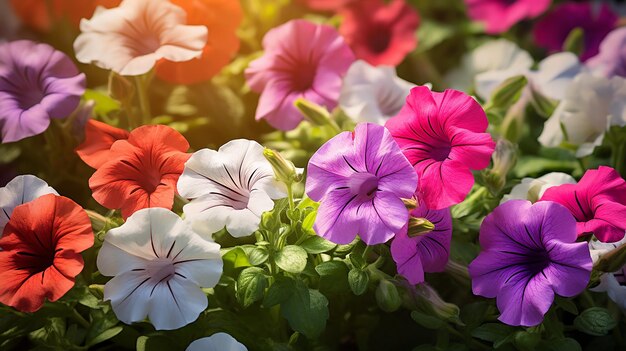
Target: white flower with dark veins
x=231 y=188
x=159 y=267
x=217 y=342
x=372 y=94
x=20 y=190
x=131 y=38
x=614 y=284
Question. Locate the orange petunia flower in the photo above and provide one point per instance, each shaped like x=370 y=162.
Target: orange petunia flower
x=222 y=18
x=99 y=137
x=35 y=13
x=41 y=246
x=142 y=171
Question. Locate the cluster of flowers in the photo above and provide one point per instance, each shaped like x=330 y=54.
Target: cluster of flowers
x=393 y=179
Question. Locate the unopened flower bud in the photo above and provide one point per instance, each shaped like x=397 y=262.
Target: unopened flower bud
x=316 y=114
x=507 y=93
x=544 y=105
x=120 y=88
x=575 y=41
x=433 y=303
x=504 y=159
x=387 y=296
x=612 y=261
x=419 y=226
x=410 y=204
x=284 y=170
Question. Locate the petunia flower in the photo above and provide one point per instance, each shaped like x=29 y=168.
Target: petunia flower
x=532 y=189
x=529 y=254
x=423 y=253
x=95 y=150
x=372 y=94
x=37 y=83
x=614 y=284
x=142 y=171
x=611 y=60
x=222 y=18
x=159 y=265
x=590 y=106
x=380 y=33
x=41 y=248
x=217 y=342
x=44 y=15
x=301 y=60
x=20 y=190
x=230 y=187
x=131 y=38
x=499 y=55
x=500 y=15
x=553 y=29
x=443 y=137
x=360 y=179
x=327 y=5
x=597 y=201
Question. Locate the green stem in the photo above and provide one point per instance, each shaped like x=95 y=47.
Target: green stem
x=144 y=101
x=80 y=319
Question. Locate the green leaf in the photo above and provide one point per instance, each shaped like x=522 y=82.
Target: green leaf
x=278 y=292
x=595 y=321
x=251 y=286
x=565 y=344
x=104 y=336
x=291 y=259
x=432 y=33
x=257 y=255
x=317 y=244
x=306 y=310
x=155 y=343
x=235 y=258
x=333 y=276
x=427 y=321
x=358 y=280
x=494 y=332
x=309 y=220
x=104 y=103
x=566 y=305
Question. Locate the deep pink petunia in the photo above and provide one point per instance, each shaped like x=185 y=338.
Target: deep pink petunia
x=380 y=33
x=443 y=136
x=598 y=202
x=529 y=254
x=596 y=22
x=500 y=15
x=360 y=179
x=301 y=60
x=423 y=253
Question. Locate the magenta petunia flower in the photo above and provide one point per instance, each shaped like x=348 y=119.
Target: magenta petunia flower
x=596 y=22
x=611 y=61
x=360 y=178
x=37 y=83
x=443 y=136
x=423 y=253
x=598 y=202
x=380 y=33
x=301 y=60
x=500 y=15
x=529 y=254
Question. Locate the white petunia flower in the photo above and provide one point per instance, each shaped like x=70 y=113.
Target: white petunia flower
x=372 y=94
x=591 y=105
x=231 y=188
x=131 y=38
x=20 y=190
x=499 y=55
x=217 y=342
x=159 y=265
x=614 y=284
x=532 y=189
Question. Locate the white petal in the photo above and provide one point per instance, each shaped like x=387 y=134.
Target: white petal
x=242 y=223
x=556 y=73
x=113 y=261
x=129 y=294
x=554 y=179
x=217 y=342
x=20 y=190
x=176 y=303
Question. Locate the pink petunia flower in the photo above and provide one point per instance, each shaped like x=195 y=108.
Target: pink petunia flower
x=380 y=33
x=301 y=60
x=500 y=15
x=327 y=5
x=552 y=31
x=443 y=136
x=598 y=202
x=360 y=179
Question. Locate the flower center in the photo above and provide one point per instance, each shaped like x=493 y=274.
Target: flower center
x=161 y=269
x=537 y=262
x=364 y=185
x=440 y=150
x=379 y=39
x=30 y=98
x=303 y=77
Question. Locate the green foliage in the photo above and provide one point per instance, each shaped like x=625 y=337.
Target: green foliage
x=595 y=321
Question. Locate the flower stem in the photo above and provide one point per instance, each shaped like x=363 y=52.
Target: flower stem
x=80 y=319
x=144 y=101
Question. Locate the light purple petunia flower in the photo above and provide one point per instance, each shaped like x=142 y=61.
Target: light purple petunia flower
x=37 y=83
x=611 y=61
x=360 y=179
x=424 y=253
x=529 y=253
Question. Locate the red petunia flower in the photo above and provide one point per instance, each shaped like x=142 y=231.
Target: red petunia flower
x=380 y=33
x=99 y=137
x=41 y=248
x=142 y=171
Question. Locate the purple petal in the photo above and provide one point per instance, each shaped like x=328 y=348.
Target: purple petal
x=381 y=218
x=570 y=269
x=525 y=300
x=337 y=220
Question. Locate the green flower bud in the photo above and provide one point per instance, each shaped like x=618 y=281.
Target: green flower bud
x=431 y=302
x=575 y=41
x=504 y=159
x=410 y=204
x=419 y=226
x=543 y=104
x=507 y=93
x=120 y=88
x=316 y=114
x=387 y=296
x=284 y=170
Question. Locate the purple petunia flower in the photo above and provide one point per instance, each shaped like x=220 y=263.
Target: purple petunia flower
x=551 y=32
x=424 y=253
x=37 y=83
x=611 y=61
x=529 y=253
x=360 y=179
